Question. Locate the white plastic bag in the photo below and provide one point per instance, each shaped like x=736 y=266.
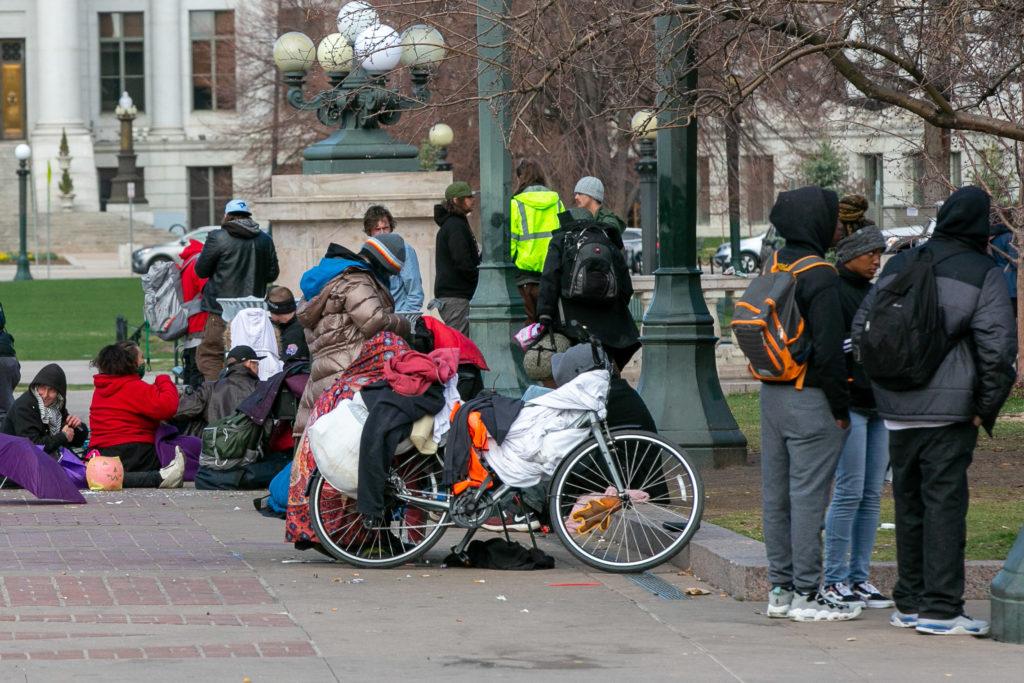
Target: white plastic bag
x=334 y=440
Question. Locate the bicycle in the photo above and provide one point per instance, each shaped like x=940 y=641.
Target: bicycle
x=647 y=498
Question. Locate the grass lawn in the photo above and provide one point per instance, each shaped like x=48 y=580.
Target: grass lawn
x=71 y=319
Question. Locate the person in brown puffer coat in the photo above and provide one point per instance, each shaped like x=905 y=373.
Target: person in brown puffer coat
x=347 y=302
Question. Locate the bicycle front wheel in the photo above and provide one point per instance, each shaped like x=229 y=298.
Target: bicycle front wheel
x=632 y=530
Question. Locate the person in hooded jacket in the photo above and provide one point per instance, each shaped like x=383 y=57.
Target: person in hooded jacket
x=240 y=260
x=802 y=430
x=1004 y=252
x=456 y=257
x=933 y=430
x=347 y=301
x=853 y=514
x=125 y=413
x=192 y=289
x=10 y=368
x=213 y=401
x=533 y=216
x=41 y=416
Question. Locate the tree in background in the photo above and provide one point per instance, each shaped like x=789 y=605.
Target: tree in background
x=825 y=167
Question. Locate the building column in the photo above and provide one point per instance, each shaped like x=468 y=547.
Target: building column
x=166 y=87
x=61 y=100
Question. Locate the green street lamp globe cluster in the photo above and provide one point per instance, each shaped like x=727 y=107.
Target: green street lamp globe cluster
x=357 y=60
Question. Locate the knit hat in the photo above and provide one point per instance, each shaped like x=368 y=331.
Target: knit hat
x=458 y=189
x=861 y=242
x=590 y=186
x=387 y=250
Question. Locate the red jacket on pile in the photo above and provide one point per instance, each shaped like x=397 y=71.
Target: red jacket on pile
x=127 y=410
x=192 y=284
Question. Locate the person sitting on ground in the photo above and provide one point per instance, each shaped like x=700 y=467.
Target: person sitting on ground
x=406 y=287
x=347 y=302
x=213 y=401
x=589 y=194
x=10 y=368
x=126 y=412
x=282 y=306
x=40 y=414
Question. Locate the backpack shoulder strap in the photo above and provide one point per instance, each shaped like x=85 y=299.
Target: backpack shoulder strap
x=808 y=262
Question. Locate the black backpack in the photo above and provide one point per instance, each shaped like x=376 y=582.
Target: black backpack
x=904 y=339
x=588 y=264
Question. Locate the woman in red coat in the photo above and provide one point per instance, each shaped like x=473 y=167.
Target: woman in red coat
x=192 y=290
x=126 y=412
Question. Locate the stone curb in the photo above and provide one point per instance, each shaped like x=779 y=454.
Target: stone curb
x=737 y=565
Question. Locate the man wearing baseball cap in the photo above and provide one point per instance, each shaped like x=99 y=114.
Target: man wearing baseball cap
x=457 y=257
x=213 y=401
x=240 y=260
x=589 y=195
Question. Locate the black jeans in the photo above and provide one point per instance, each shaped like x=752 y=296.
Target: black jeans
x=141 y=465
x=929 y=472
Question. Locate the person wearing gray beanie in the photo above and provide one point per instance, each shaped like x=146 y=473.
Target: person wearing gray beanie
x=589 y=194
x=863 y=241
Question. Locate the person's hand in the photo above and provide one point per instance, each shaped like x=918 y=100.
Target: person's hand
x=843 y=424
x=977 y=421
x=69 y=433
x=74 y=421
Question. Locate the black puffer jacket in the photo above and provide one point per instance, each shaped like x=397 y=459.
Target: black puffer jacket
x=852 y=290
x=456 y=256
x=807 y=219
x=24 y=419
x=212 y=401
x=239 y=259
x=976 y=376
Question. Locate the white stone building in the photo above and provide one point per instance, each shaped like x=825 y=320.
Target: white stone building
x=66 y=62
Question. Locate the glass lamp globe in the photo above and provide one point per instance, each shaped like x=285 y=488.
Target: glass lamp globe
x=355 y=17
x=335 y=54
x=440 y=135
x=423 y=46
x=378 y=49
x=125 y=101
x=645 y=124
x=22 y=152
x=294 y=52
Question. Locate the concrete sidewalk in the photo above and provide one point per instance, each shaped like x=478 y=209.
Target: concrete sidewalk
x=166 y=586
x=79 y=267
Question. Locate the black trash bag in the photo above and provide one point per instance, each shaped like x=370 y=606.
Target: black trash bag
x=497 y=553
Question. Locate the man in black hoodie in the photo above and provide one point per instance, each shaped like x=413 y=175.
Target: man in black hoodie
x=802 y=430
x=40 y=414
x=933 y=429
x=240 y=260
x=456 y=257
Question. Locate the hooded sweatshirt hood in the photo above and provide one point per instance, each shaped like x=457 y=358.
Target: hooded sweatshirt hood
x=52 y=375
x=807 y=217
x=109 y=385
x=245 y=228
x=538 y=197
x=964 y=217
x=441 y=214
x=336 y=261
x=193 y=248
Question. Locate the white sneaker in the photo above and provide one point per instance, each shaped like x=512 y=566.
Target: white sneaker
x=841 y=593
x=903 y=619
x=173 y=476
x=871 y=596
x=962 y=625
x=816 y=607
x=779 y=600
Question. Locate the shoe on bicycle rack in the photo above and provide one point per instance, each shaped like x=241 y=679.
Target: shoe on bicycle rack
x=514 y=521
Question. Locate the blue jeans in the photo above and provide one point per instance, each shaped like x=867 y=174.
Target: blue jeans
x=852 y=518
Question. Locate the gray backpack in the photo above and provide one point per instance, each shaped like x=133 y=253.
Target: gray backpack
x=164 y=305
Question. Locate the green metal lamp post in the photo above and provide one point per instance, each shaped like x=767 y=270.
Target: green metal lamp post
x=496 y=310
x=22 y=153
x=679 y=380
x=1008 y=596
x=357 y=60
x=644 y=125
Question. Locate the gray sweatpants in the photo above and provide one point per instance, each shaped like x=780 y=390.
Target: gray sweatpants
x=800 y=445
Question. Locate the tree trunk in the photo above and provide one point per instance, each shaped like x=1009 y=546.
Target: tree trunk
x=935 y=183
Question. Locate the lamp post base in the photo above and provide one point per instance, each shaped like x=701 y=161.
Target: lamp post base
x=679 y=379
x=1008 y=597
x=23 y=272
x=495 y=314
x=359 y=150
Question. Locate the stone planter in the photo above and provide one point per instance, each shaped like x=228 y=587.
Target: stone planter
x=67 y=202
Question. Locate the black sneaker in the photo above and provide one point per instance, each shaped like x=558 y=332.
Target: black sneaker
x=871 y=596
x=841 y=593
x=816 y=607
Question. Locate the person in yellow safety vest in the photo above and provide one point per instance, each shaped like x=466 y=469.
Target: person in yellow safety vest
x=534 y=217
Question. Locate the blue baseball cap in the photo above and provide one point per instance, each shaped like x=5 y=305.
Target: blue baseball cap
x=238 y=206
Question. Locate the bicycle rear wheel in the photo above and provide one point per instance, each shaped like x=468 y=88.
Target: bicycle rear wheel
x=632 y=530
x=409 y=531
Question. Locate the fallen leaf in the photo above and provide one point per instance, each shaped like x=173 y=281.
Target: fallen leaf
x=851 y=639
x=697 y=591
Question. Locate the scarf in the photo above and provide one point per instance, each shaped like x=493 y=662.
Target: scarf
x=52 y=416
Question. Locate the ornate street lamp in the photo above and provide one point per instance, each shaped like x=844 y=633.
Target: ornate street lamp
x=127 y=169
x=441 y=136
x=645 y=126
x=22 y=153
x=357 y=60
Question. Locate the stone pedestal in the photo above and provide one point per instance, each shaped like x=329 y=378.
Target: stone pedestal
x=308 y=212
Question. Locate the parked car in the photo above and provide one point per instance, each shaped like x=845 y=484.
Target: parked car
x=901 y=238
x=145 y=257
x=632 y=239
x=750 y=254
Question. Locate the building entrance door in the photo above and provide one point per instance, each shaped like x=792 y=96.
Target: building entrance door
x=12 y=89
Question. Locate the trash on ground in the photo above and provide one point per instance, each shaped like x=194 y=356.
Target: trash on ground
x=695 y=590
x=887 y=526
x=502 y=598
